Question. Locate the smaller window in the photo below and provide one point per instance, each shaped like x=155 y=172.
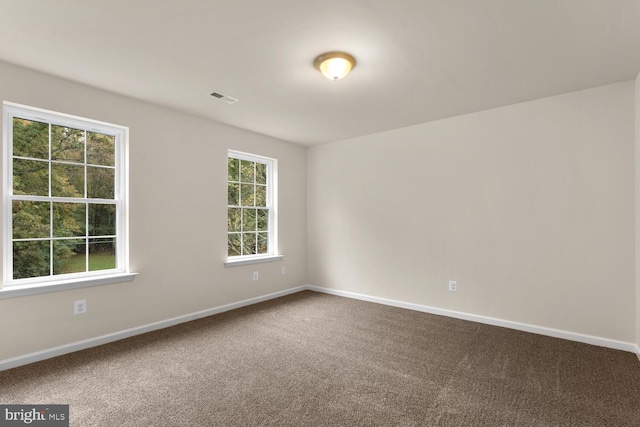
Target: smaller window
x=251 y=206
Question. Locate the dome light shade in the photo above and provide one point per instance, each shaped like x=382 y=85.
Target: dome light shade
x=334 y=65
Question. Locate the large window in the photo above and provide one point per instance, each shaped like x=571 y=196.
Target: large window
x=251 y=222
x=65 y=197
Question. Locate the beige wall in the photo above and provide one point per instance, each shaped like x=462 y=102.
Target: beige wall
x=637 y=198
x=177 y=220
x=529 y=207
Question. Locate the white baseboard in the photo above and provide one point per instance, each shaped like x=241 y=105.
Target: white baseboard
x=541 y=330
x=104 y=339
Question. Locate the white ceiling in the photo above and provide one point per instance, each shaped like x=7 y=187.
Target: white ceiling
x=418 y=60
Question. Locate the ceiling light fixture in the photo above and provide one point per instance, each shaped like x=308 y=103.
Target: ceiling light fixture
x=334 y=65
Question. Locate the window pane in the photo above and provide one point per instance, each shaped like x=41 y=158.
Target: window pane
x=31 y=259
x=30 y=219
x=102 y=254
x=233 y=166
x=261 y=195
x=30 y=177
x=100 y=183
x=67 y=144
x=234 y=220
x=69 y=256
x=248 y=243
x=249 y=211
x=248 y=220
x=263 y=219
x=67 y=180
x=101 y=149
x=261 y=173
x=247 y=171
x=57 y=177
x=69 y=219
x=247 y=192
x=30 y=139
x=263 y=240
x=102 y=219
x=234 y=244
x=234 y=194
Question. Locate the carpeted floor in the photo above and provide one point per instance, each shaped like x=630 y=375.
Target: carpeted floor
x=312 y=359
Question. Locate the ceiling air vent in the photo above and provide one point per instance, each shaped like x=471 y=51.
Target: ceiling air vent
x=225 y=98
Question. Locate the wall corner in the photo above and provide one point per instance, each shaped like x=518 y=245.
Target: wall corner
x=637 y=205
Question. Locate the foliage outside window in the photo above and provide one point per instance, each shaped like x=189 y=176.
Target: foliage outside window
x=64 y=197
x=251 y=213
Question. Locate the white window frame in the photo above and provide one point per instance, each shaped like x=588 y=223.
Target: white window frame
x=272 y=206
x=121 y=273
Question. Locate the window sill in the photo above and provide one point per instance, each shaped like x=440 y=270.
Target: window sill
x=62 y=285
x=256 y=260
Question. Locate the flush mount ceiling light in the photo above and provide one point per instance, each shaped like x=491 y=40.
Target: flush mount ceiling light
x=334 y=65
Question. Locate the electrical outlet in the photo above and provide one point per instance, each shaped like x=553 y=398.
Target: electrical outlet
x=255 y=275
x=80 y=306
x=283 y=270
x=453 y=286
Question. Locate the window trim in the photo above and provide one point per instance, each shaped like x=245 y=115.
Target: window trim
x=11 y=287
x=253 y=260
x=272 y=205
x=62 y=285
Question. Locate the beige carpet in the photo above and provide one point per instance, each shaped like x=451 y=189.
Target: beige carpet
x=311 y=359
